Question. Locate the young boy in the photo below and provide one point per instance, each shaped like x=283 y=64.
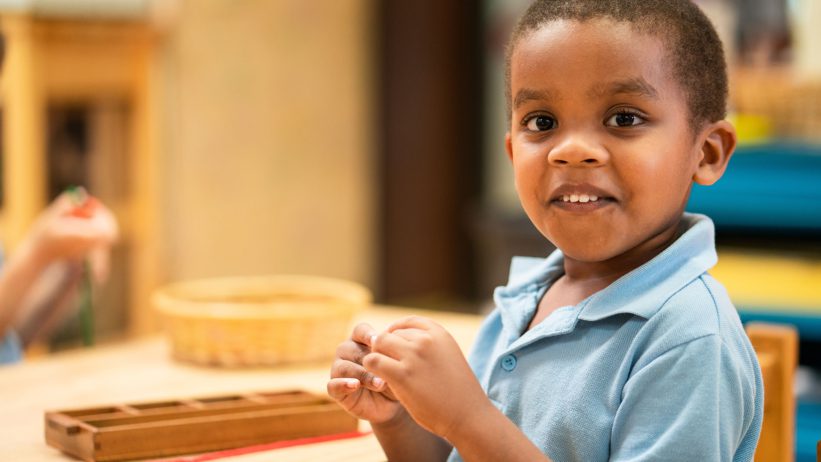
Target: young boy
x=619 y=345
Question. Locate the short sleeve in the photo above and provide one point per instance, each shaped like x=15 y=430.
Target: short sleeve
x=10 y=348
x=689 y=403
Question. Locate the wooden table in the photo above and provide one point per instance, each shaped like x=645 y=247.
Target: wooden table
x=142 y=370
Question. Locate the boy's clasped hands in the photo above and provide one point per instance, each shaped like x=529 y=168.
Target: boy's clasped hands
x=412 y=370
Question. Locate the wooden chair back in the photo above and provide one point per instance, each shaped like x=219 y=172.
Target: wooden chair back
x=777 y=349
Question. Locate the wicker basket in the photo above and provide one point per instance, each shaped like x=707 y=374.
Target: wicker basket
x=253 y=321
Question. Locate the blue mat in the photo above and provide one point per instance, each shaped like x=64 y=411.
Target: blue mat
x=768 y=186
x=807 y=430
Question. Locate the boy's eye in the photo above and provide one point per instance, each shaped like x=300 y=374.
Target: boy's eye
x=624 y=119
x=540 y=123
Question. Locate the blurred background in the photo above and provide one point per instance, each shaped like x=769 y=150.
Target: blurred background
x=363 y=139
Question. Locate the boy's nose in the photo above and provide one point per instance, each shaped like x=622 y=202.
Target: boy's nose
x=577 y=152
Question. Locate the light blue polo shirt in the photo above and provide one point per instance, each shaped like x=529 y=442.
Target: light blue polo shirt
x=655 y=367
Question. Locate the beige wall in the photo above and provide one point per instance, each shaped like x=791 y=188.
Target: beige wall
x=266 y=142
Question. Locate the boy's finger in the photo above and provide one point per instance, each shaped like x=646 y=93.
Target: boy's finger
x=340 y=388
x=408 y=334
x=383 y=366
x=412 y=322
x=389 y=393
x=348 y=370
x=352 y=351
x=392 y=345
x=362 y=333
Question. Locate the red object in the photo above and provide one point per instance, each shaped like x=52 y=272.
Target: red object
x=266 y=447
x=86 y=209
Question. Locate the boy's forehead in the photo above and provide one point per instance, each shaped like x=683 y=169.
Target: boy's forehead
x=601 y=34
x=610 y=57
x=589 y=31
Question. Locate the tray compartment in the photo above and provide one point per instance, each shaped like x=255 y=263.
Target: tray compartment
x=171 y=428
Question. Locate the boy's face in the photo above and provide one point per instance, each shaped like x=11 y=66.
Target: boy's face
x=602 y=150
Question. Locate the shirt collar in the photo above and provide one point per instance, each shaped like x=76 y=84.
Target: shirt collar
x=638 y=292
x=529 y=278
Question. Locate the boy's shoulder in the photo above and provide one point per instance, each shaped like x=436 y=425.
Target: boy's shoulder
x=700 y=313
x=700 y=308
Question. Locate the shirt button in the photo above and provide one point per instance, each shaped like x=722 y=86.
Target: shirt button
x=509 y=363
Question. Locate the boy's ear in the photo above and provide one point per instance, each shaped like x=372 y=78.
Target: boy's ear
x=508 y=147
x=716 y=149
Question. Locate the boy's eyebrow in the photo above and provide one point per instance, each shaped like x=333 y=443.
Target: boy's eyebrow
x=528 y=94
x=637 y=86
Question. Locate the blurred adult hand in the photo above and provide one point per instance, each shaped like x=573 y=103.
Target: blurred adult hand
x=73 y=227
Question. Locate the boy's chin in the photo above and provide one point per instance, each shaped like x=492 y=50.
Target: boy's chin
x=586 y=255
x=591 y=250
x=587 y=250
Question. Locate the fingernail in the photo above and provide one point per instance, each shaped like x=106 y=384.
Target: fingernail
x=351 y=383
x=373 y=340
x=377 y=382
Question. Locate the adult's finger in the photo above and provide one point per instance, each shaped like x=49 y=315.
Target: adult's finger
x=62 y=204
x=99 y=259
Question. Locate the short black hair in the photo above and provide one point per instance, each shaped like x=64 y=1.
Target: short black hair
x=688 y=35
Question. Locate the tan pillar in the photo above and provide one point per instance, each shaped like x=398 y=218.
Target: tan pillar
x=24 y=165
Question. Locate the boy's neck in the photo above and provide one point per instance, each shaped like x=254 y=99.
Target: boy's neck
x=600 y=274
x=583 y=278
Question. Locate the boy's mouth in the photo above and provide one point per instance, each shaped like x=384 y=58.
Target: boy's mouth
x=581 y=196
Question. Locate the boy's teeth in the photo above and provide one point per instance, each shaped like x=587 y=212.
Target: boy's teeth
x=583 y=198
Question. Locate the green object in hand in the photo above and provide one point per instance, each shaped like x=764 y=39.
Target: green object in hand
x=80 y=197
x=86 y=311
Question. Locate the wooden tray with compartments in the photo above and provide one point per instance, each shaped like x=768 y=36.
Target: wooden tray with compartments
x=160 y=429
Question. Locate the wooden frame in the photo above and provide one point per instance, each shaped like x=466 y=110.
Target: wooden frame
x=777 y=349
x=168 y=428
